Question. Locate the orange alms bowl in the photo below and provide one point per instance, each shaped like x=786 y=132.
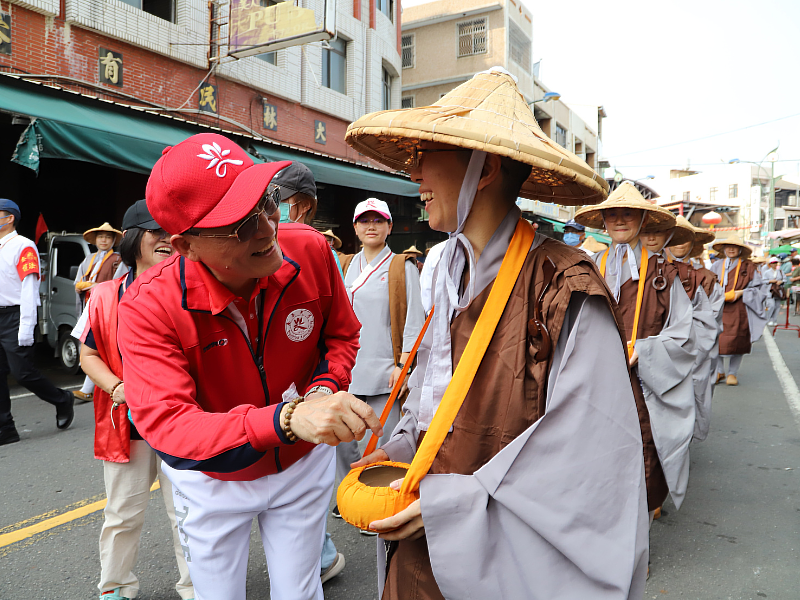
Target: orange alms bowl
x=364 y=495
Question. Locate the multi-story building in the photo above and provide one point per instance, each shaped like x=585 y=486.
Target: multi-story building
x=91 y=91
x=446 y=42
x=738 y=192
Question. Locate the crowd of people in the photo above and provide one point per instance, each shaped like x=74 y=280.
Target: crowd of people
x=235 y=355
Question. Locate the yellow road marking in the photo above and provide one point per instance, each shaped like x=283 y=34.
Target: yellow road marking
x=26 y=532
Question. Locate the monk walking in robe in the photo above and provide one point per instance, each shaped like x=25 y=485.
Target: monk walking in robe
x=743 y=317
x=700 y=286
x=538 y=488
x=657 y=321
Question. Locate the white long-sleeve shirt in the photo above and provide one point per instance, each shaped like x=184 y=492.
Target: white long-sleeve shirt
x=19 y=281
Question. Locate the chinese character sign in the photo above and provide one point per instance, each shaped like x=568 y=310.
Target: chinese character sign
x=5 y=34
x=110 y=64
x=254 y=25
x=207 y=102
x=270 y=117
x=320 y=132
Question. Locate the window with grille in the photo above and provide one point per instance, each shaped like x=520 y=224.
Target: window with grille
x=408 y=102
x=733 y=190
x=712 y=194
x=472 y=37
x=519 y=47
x=407 y=50
x=686 y=196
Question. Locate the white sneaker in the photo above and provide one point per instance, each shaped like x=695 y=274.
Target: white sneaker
x=337 y=566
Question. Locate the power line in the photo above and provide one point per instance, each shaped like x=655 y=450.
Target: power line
x=717 y=164
x=707 y=137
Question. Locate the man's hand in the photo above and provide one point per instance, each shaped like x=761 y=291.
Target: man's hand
x=378 y=456
x=333 y=419
x=405 y=525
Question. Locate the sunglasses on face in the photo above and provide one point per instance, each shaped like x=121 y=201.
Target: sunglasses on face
x=248 y=227
x=159 y=234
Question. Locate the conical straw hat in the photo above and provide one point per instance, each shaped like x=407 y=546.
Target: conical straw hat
x=626 y=196
x=592 y=245
x=682 y=232
x=91 y=234
x=337 y=243
x=732 y=241
x=486 y=113
x=701 y=237
x=413 y=250
x=758 y=260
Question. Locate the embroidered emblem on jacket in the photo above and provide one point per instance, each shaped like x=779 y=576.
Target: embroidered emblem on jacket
x=299 y=324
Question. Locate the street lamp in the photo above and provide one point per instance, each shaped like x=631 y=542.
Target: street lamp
x=771 y=204
x=547 y=97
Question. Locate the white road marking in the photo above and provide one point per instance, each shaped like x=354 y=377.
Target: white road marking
x=788 y=384
x=73 y=388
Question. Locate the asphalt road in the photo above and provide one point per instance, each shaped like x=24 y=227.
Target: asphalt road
x=735 y=537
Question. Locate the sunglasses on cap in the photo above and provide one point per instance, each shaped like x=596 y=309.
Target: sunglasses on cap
x=248 y=227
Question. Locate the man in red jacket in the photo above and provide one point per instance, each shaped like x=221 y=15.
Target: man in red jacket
x=237 y=354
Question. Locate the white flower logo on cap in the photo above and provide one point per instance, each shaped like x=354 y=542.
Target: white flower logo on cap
x=214 y=153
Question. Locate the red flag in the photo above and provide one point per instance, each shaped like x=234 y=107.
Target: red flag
x=41 y=228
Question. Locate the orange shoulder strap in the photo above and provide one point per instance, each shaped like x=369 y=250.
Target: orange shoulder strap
x=639 y=299
x=736 y=275
x=471 y=358
x=603 y=262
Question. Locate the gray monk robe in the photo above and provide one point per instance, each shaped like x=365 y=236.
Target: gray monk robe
x=705 y=284
x=539 y=489
x=666 y=346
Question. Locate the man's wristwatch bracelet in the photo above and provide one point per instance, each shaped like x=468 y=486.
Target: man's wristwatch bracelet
x=319 y=388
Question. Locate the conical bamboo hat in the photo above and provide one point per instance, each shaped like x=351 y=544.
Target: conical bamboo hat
x=682 y=232
x=626 y=196
x=90 y=235
x=592 y=245
x=413 y=250
x=337 y=243
x=486 y=113
x=732 y=241
x=701 y=237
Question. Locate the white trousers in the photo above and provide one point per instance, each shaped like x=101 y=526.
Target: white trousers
x=215 y=517
x=128 y=491
x=350 y=452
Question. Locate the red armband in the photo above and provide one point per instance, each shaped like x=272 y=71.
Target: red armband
x=28 y=263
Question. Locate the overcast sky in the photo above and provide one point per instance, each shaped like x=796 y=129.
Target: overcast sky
x=671 y=72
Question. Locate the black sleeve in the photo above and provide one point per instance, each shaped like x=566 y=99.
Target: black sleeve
x=90 y=340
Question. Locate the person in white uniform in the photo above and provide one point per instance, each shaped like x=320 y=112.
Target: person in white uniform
x=19 y=297
x=368 y=284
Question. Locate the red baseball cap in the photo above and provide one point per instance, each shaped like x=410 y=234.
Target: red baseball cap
x=206 y=181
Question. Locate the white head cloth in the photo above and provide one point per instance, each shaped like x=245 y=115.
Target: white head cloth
x=457 y=250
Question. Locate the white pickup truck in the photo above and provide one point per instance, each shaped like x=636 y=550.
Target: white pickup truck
x=58 y=312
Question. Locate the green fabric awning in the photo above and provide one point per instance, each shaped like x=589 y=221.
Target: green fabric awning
x=336 y=172
x=68 y=126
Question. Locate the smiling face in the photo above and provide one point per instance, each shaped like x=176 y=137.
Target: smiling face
x=153 y=248
x=681 y=250
x=623 y=224
x=440 y=175
x=237 y=265
x=732 y=251
x=372 y=229
x=654 y=242
x=104 y=241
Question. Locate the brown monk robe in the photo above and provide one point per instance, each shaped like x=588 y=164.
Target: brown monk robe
x=735 y=336
x=482 y=429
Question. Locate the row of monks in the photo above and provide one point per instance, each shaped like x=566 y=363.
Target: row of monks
x=688 y=327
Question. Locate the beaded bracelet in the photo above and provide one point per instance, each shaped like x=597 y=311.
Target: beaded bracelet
x=287 y=425
x=114 y=389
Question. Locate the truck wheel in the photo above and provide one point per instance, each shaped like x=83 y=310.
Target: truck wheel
x=69 y=352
